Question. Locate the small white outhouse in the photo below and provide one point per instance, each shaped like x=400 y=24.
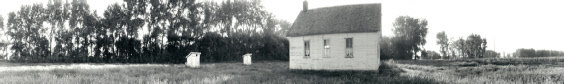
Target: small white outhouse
x=247 y=59
x=193 y=60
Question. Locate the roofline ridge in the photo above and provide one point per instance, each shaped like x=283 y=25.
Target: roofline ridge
x=345 y=5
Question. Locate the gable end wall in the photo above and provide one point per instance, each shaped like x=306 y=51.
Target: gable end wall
x=366 y=51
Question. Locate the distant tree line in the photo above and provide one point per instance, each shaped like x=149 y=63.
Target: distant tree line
x=474 y=46
x=492 y=54
x=524 y=52
x=409 y=37
x=427 y=54
x=146 y=31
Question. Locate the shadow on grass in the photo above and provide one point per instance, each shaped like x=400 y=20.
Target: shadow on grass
x=373 y=77
x=388 y=73
x=329 y=73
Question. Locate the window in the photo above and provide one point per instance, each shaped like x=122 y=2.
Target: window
x=306 y=48
x=349 y=48
x=326 y=48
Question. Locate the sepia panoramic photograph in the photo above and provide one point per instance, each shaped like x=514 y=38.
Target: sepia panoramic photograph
x=281 y=42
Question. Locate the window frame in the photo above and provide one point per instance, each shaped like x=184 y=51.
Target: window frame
x=349 y=49
x=326 y=48
x=307 y=49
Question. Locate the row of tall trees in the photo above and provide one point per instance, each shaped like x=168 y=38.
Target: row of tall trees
x=3 y=41
x=474 y=46
x=146 y=31
x=408 y=40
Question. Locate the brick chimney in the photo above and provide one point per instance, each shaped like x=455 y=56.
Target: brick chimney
x=305 y=6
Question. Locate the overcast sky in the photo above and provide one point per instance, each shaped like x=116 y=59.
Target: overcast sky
x=509 y=24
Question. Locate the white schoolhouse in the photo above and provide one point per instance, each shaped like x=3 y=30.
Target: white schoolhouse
x=336 y=38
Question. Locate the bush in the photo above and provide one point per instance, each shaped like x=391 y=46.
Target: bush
x=389 y=68
x=464 y=63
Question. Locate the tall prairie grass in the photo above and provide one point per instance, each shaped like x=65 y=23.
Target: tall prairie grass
x=488 y=74
x=390 y=72
x=213 y=73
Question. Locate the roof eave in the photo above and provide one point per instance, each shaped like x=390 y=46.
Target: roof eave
x=329 y=33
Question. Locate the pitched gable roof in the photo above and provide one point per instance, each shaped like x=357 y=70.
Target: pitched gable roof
x=338 y=19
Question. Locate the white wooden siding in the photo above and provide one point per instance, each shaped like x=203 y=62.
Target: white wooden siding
x=366 y=52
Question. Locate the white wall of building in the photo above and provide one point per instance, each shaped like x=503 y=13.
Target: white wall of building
x=366 y=51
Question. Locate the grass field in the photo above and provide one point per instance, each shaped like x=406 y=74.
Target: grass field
x=231 y=73
x=471 y=72
x=391 y=72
